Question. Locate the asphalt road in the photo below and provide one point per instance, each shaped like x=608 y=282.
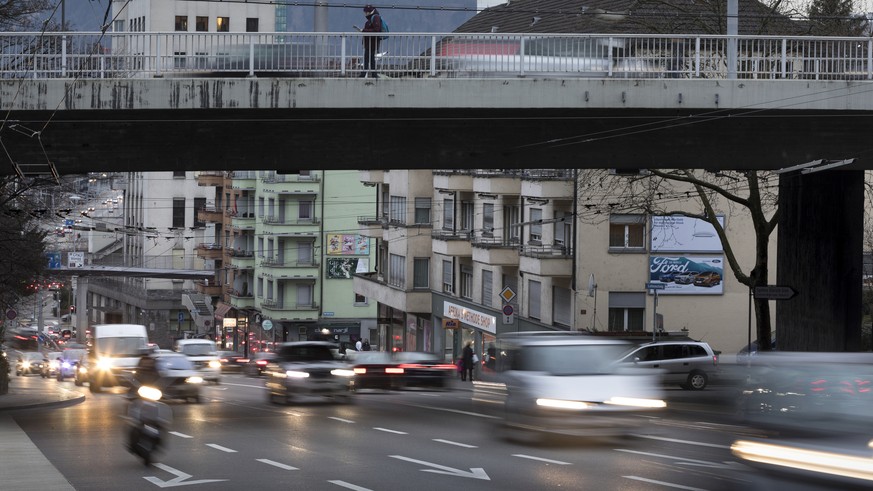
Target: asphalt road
x=419 y=440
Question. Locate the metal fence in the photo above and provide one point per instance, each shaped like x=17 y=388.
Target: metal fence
x=176 y=54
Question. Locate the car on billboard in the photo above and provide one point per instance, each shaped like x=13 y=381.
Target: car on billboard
x=707 y=279
x=668 y=277
x=686 y=277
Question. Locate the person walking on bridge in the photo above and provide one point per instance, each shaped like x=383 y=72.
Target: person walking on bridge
x=371 y=41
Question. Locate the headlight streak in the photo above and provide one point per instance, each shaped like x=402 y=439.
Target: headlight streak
x=104 y=364
x=342 y=372
x=214 y=364
x=194 y=380
x=805 y=459
x=559 y=404
x=295 y=374
x=636 y=402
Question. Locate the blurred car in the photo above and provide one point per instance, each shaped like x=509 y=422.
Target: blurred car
x=308 y=369
x=743 y=353
x=707 y=278
x=179 y=378
x=29 y=363
x=667 y=277
x=256 y=364
x=688 y=364
x=53 y=363
x=70 y=360
x=815 y=410
x=402 y=369
x=561 y=383
x=685 y=278
x=231 y=361
x=203 y=353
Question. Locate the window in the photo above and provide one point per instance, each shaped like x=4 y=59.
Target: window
x=448 y=214
x=511 y=215
x=304 y=296
x=448 y=277
x=118 y=26
x=199 y=204
x=534 y=299
x=181 y=22
x=304 y=253
x=467 y=215
x=178 y=212
x=466 y=282
x=260 y=288
x=201 y=23
x=261 y=202
x=179 y=61
x=397 y=211
x=222 y=24
x=561 y=306
x=627 y=232
x=260 y=247
x=487 y=287
x=360 y=299
x=422 y=211
x=421 y=272
x=305 y=210
x=179 y=174
x=536 y=226
x=488 y=219
x=626 y=311
x=563 y=232
x=397 y=270
x=251 y=24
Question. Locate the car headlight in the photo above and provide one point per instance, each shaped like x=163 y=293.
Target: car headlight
x=342 y=372
x=65 y=364
x=26 y=364
x=296 y=374
x=83 y=369
x=636 y=402
x=104 y=364
x=54 y=364
x=562 y=404
x=194 y=380
x=214 y=364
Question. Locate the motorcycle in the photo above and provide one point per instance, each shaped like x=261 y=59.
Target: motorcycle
x=148 y=420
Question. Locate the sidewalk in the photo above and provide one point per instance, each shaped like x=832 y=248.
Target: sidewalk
x=24 y=466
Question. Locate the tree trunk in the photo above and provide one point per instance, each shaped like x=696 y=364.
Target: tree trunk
x=820 y=255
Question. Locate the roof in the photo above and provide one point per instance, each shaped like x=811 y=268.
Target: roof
x=628 y=17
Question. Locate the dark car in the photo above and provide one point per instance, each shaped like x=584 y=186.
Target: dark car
x=707 y=279
x=400 y=370
x=29 y=363
x=308 y=369
x=256 y=364
x=667 y=277
x=231 y=361
x=50 y=369
x=69 y=361
x=179 y=379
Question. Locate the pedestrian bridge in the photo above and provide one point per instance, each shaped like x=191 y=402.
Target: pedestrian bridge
x=79 y=102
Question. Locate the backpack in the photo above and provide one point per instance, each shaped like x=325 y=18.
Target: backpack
x=384 y=28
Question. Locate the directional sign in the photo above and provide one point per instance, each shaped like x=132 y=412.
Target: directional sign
x=655 y=286
x=474 y=472
x=774 y=292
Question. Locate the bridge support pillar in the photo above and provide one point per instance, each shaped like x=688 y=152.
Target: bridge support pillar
x=83 y=315
x=820 y=241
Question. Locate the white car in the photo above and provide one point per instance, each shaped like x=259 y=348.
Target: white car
x=203 y=353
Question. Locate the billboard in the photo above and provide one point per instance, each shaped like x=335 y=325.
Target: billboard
x=683 y=275
x=677 y=233
x=347 y=245
x=341 y=267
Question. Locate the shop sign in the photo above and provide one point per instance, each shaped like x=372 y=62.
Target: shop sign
x=451 y=324
x=472 y=317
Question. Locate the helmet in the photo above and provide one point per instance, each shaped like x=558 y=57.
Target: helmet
x=368 y=9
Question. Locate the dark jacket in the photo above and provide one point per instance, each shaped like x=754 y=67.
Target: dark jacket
x=467 y=356
x=374 y=24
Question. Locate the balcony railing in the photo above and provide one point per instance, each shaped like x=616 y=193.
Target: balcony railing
x=37 y=55
x=555 y=251
x=493 y=241
x=441 y=234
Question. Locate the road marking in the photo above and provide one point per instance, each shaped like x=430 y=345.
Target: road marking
x=474 y=473
x=219 y=447
x=522 y=456
x=686 y=442
x=390 y=431
x=341 y=420
x=181 y=478
x=181 y=435
x=662 y=483
x=672 y=457
x=277 y=464
x=349 y=485
x=246 y=385
x=456 y=411
x=454 y=443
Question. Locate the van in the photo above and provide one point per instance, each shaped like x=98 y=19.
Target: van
x=203 y=353
x=112 y=358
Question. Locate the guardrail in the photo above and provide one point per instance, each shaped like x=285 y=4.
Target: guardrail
x=183 y=54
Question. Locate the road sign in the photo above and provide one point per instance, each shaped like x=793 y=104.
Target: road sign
x=655 y=286
x=774 y=292
x=508 y=319
x=508 y=310
x=507 y=294
x=266 y=324
x=181 y=316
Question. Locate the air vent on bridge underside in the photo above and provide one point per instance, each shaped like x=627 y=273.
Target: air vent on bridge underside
x=629 y=172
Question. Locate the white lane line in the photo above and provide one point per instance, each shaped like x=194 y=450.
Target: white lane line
x=671 y=457
x=686 y=442
x=390 y=431
x=468 y=413
x=440 y=440
x=523 y=456
x=277 y=464
x=246 y=385
x=341 y=420
x=662 y=483
x=182 y=435
x=219 y=447
x=348 y=485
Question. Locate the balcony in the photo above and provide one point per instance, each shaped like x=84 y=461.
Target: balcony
x=546 y=260
x=282 y=269
x=497 y=181
x=209 y=250
x=453 y=179
x=280 y=178
x=372 y=176
x=370 y=226
x=291 y=227
x=548 y=183
x=241 y=300
x=210 y=288
x=494 y=249
x=211 y=178
x=451 y=242
x=242 y=259
x=210 y=214
x=374 y=287
x=244 y=180
x=243 y=220
x=287 y=311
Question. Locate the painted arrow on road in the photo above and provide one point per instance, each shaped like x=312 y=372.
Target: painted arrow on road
x=475 y=473
x=181 y=478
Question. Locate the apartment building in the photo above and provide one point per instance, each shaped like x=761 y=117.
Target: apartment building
x=493 y=251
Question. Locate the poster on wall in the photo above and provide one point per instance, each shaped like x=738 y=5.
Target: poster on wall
x=677 y=233
x=347 y=245
x=341 y=268
x=682 y=275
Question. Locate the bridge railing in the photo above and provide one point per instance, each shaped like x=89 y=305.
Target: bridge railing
x=183 y=54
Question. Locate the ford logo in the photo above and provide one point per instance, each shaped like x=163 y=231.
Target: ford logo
x=716 y=261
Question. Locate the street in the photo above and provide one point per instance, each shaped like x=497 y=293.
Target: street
x=427 y=440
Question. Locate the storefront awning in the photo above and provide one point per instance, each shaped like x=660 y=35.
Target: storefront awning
x=221 y=310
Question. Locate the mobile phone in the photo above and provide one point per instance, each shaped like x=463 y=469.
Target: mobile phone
x=357 y=28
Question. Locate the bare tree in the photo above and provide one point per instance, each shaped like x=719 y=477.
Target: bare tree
x=23 y=15
x=696 y=194
x=834 y=18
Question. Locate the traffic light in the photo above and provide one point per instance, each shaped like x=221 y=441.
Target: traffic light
x=72 y=309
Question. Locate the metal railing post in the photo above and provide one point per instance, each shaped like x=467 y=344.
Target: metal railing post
x=158 y=58
x=64 y=55
x=343 y=55
x=251 y=56
x=433 y=44
x=869 y=59
x=697 y=57
x=609 y=57
x=521 y=56
x=784 y=57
